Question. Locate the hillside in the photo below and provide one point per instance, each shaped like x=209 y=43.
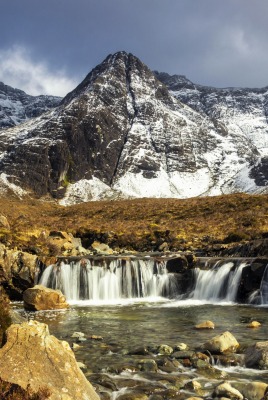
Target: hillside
x=139 y=224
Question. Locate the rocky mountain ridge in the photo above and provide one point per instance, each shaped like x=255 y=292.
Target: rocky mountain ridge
x=127 y=132
x=17 y=107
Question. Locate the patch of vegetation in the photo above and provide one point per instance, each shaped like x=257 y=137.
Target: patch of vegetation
x=5 y=319
x=11 y=391
x=139 y=224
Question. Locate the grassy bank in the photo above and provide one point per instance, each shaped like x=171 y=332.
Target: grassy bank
x=140 y=224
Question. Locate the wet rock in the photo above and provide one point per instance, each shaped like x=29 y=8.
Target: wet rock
x=96 y=337
x=205 y=325
x=193 y=385
x=254 y=390
x=228 y=360
x=147 y=365
x=181 y=347
x=142 y=351
x=103 y=380
x=226 y=390
x=167 y=365
x=132 y=396
x=183 y=354
x=33 y=358
x=223 y=343
x=77 y=335
x=81 y=365
x=256 y=356
x=208 y=371
x=41 y=298
x=254 y=324
x=164 y=349
x=75 y=346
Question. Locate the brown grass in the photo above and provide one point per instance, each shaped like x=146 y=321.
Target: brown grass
x=141 y=223
x=11 y=391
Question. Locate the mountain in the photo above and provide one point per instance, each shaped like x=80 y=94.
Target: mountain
x=17 y=107
x=127 y=132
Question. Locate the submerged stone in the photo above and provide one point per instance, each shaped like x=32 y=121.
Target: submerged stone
x=205 y=325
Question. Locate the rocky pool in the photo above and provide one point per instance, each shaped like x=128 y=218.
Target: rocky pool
x=120 y=345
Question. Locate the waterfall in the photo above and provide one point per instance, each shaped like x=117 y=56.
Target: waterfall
x=264 y=287
x=110 y=279
x=219 y=283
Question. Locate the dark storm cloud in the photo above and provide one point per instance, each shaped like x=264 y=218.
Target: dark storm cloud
x=51 y=45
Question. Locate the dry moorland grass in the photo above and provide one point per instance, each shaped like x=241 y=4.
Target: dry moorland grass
x=141 y=223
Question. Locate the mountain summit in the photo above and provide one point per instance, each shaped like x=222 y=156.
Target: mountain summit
x=123 y=133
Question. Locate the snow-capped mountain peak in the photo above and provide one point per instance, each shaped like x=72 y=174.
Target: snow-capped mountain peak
x=128 y=132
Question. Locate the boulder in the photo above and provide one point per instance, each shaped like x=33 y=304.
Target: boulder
x=254 y=390
x=164 y=349
x=223 y=343
x=18 y=271
x=34 y=359
x=226 y=390
x=42 y=298
x=205 y=325
x=256 y=356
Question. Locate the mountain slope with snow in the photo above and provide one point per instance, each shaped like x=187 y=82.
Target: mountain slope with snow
x=128 y=132
x=17 y=107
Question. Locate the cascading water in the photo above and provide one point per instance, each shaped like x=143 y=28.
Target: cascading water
x=219 y=283
x=110 y=279
x=264 y=287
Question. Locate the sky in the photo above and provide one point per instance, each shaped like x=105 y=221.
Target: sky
x=49 y=46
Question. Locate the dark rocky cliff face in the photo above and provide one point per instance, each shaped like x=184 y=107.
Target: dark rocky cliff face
x=122 y=133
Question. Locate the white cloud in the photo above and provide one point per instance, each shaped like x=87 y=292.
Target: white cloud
x=17 y=69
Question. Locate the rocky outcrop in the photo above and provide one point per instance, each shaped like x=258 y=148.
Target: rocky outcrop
x=224 y=343
x=17 y=271
x=32 y=358
x=41 y=298
x=256 y=356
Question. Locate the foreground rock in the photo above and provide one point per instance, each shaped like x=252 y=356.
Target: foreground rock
x=32 y=358
x=224 y=343
x=256 y=356
x=41 y=298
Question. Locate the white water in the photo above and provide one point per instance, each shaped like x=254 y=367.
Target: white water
x=219 y=283
x=264 y=287
x=129 y=280
x=111 y=280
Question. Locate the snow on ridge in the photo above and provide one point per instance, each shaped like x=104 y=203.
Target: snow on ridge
x=5 y=185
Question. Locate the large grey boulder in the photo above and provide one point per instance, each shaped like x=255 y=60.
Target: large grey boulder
x=256 y=356
x=33 y=358
x=42 y=298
